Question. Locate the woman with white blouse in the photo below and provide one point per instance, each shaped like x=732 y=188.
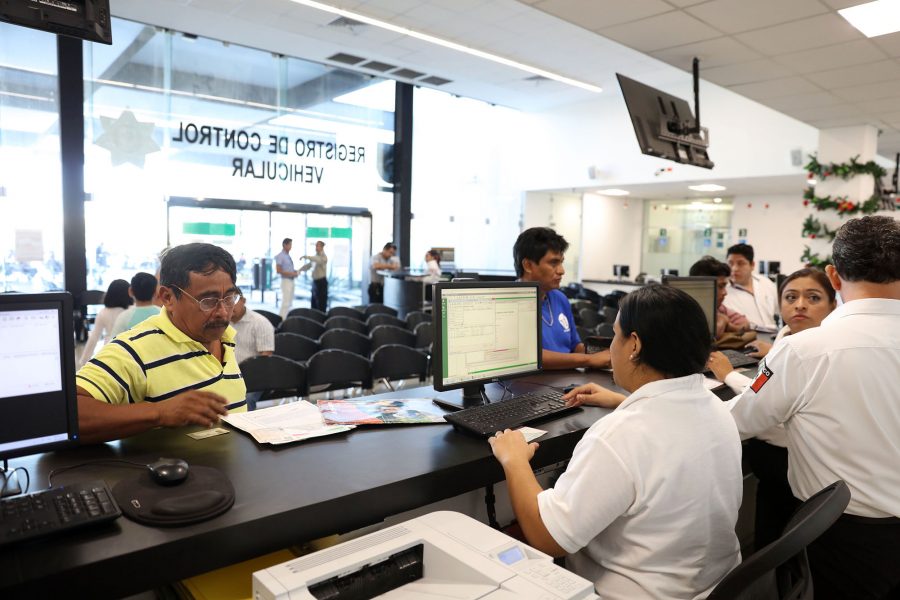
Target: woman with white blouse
x=115 y=301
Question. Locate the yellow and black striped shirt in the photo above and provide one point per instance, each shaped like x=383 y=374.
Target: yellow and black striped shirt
x=156 y=361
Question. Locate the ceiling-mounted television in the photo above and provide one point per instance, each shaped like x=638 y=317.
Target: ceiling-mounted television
x=83 y=19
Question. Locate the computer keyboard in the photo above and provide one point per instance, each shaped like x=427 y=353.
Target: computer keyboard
x=514 y=412
x=57 y=509
x=738 y=359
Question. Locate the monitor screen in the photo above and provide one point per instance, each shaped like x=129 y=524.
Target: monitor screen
x=37 y=373
x=701 y=289
x=485 y=332
x=83 y=19
x=621 y=270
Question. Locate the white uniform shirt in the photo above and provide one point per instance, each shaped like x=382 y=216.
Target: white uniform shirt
x=835 y=389
x=253 y=334
x=759 y=306
x=650 y=498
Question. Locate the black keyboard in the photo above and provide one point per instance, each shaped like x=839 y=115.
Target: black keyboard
x=50 y=511
x=738 y=359
x=488 y=419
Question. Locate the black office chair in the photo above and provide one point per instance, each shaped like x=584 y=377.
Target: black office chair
x=345 y=339
x=588 y=318
x=84 y=321
x=415 y=317
x=609 y=314
x=584 y=332
x=589 y=295
x=274 y=319
x=310 y=313
x=393 y=362
x=303 y=326
x=579 y=304
x=424 y=335
x=569 y=292
x=780 y=570
x=347 y=323
x=335 y=369
x=295 y=346
x=388 y=334
x=605 y=330
x=612 y=299
x=272 y=377
x=378 y=309
x=384 y=319
x=346 y=311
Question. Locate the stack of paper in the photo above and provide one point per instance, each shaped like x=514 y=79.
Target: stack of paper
x=292 y=422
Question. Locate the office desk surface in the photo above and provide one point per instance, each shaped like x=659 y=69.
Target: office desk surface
x=284 y=495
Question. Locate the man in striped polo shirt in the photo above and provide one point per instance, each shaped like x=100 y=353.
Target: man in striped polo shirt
x=177 y=368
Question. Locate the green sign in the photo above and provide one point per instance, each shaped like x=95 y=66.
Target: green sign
x=662 y=233
x=329 y=232
x=707 y=232
x=220 y=229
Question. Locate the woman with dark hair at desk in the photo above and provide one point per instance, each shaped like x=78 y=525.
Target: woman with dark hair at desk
x=649 y=501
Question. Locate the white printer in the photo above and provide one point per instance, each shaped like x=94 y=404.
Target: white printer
x=438 y=556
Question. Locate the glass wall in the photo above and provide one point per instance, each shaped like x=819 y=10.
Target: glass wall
x=678 y=233
x=31 y=229
x=169 y=114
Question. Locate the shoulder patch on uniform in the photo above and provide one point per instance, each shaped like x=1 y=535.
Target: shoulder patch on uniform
x=765 y=373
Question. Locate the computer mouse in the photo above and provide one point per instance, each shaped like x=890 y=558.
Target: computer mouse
x=168 y=471
x=569 y=388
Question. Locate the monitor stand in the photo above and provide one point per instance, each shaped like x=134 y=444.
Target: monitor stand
x=11 y=486
x=472 y=395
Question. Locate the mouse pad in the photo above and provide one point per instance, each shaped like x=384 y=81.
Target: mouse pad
x=206 y=493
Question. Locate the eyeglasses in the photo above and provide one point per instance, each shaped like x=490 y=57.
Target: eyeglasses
x=209 y=304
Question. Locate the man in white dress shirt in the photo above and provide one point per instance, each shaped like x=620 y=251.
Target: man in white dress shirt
x=254 y=334
x=752 y=295
x=835 y=389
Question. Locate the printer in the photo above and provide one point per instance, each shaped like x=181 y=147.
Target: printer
x=439 y=556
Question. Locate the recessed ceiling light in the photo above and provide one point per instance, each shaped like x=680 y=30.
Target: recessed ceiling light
x=874 y=18
x=448 y=44
x=717 y=200
x=614 y=192
x=707 y=187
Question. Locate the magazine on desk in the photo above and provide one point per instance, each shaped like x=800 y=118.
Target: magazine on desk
x=403 y=411
x=291 y=422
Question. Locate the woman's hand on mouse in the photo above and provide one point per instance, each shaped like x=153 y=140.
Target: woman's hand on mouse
x=193 y=407
x=760 y=348
x=720 y=365
x=591 y=394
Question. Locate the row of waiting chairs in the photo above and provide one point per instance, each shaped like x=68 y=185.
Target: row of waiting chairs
x=300 y=347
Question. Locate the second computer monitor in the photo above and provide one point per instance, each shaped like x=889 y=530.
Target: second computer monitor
x=701 y=289
x=484 y=332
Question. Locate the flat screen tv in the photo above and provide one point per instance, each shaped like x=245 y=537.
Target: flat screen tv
x=83 y=19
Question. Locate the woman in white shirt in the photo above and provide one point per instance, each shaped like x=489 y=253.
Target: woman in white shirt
x=648 y=503
x=115 y=301
x=433 y=265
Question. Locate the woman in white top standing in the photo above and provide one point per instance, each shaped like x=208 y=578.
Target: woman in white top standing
x=648 y=503
x=115 y=301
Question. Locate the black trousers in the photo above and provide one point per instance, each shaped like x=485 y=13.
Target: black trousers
x=775 y=502
x=319 y=297
x=376 y=293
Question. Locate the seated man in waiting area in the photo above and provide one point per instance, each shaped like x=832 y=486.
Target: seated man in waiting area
x=176 y=368
x=539 y=254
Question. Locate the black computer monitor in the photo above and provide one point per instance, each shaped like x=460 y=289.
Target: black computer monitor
x=701 y=289
x=484 y=332
x=621 y=271
x=38 y=407
x=83 y=19
x=669 y=272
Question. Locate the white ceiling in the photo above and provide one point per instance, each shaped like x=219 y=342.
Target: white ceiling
x=796 y=56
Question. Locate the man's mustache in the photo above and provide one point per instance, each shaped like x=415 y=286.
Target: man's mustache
x=215 y=324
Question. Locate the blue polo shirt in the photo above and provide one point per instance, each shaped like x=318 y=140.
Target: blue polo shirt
x=558 y=325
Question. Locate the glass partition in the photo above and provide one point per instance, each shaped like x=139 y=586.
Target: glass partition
x=677 y=233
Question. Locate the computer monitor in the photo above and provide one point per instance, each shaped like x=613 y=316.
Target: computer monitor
x=669 y=272
x=82 y=19
x=701 y=289
x=38 y=407
x=621 y=271
x=484 y=332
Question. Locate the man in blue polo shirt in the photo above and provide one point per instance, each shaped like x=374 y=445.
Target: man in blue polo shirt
x=539 y=254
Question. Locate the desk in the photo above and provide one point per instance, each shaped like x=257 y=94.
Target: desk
x=284 y=495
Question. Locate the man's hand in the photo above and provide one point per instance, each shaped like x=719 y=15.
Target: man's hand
x=720 y=365
x=510 y=447
x=599 y=360
x=591 y=394
x=193 y=407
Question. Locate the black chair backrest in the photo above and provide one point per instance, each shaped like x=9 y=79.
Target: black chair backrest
x=609 y=314
x=579 y=304
x=415 y=317
x=303 y=326
x=605 y=330
x=336 y=369
x=379 y=309
x=346 y=311
x=346 y=323
x=589 y=295
x=345 y=339
x=388 y=334
x=584 y=332
x=309 y=313
x=395 y=361
x=295 y=346
x=91 y=297
x=588 y=317
x=612 y=299
x=424 y=334
x=569 y=292
x=274 y=319
x=384 y=319
x=276 y=376
x=781 y=570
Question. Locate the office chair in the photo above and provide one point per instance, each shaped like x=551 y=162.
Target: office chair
x=274 y=319
x=388 y=334
x=424 y=335
x=609 y=314
x=589 y=295
x=347 y=323
x=274 y=377
x=295 y=346
x=584 y=332
x=605 y=330
x=335 y=369
x=780 y=570
x=588 y=318
x=415 y=317
x=303 y=326
x=310 y=313
x=346 y=311
x=345 y=339
x=378 y=309
x=397 y=362
x=83 y=321
x=385 y=319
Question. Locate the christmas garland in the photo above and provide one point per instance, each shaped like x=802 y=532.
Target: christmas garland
x=812 y=259
x=841 y=204
x=813 y=229
x=843 y=170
